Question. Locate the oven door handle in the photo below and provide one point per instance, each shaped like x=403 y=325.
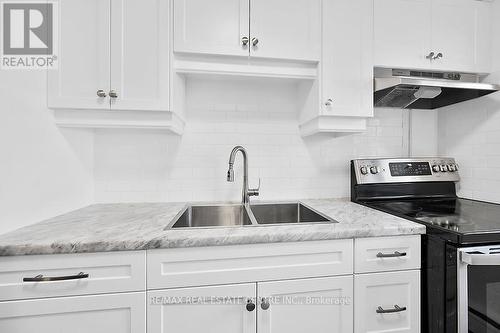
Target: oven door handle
x=474 y=259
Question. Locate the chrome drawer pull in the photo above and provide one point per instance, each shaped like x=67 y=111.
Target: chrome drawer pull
x=397 y=308
x=391 y=255
x=41 y=278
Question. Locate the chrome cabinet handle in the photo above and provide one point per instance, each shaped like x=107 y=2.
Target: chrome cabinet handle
x=250 y=305
x=391 y=255
x=41 y=278
x=438 y=56
x=101 y=93
x=430 y=56
x=255 y=41
x=245 y=40
x=113 y=94
x=265 y=304
x=329 y=102
x=396 y=309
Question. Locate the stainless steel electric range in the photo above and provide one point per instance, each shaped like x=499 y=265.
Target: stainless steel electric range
x=461 y=250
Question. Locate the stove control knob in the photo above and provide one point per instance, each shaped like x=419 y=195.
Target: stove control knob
x=364 y=170
x=374 y=170
x=443 y=168
x=436 y=168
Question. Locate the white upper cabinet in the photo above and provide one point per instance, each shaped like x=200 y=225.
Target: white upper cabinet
x=216 y=27
x=449 y=35
x=115 y=56
x=84 y=57
x=286 y=29
x=278 y=29
x=460 y=32
x=484 y=36
x=108 y=61
x=347 y=59
x=341 y=99
x=140 y=64
x=402 y=31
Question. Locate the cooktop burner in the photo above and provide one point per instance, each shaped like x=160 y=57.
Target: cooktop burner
x=424 y=190
x=458 y=215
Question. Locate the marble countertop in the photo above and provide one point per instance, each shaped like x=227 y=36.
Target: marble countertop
x=140 y=226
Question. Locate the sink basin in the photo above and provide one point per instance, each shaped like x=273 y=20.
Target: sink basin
x=287 y=213
x=201 y=216
x=237 y=215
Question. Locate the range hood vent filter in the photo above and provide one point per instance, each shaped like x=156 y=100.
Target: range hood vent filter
x=424 y=90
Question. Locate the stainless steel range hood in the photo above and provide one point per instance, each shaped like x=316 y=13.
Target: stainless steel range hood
x=409 y=89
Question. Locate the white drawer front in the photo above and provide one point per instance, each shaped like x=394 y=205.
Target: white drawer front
x=107 y=273
x=386 y=254
x=385 y=292
x=171 y=268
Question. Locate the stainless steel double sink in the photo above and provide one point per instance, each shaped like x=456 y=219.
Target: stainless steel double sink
x=238 y=215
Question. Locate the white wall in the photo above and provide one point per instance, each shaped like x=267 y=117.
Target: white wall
x=41 y=173
x=47 y=171
x=423 y=133
x=260 y=115
x=471 y=132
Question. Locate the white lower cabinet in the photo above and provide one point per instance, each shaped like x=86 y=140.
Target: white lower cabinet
x=317 y=305
x=117 y=313
x=387 y=302
x=283 y=287
x=221 y=309
x=75 y=274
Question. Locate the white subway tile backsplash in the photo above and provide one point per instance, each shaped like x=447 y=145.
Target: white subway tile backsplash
x=160 y=167
x=470 y=132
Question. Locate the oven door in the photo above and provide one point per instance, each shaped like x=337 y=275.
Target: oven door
x=479 y=290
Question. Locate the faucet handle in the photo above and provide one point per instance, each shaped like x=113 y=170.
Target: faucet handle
x=254 y=192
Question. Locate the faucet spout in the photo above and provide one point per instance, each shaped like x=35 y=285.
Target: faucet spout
x=246 y=193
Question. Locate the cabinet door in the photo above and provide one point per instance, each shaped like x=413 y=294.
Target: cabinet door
x=484 y=36
x=387 y=302
x=460 y=31
x=117 y=313
x=215 y=26
x=84 y=56
x=347 y=60
x=140 y=54
x=320 y=305
x=286 y=29
x=221 y=309
x=402 y=33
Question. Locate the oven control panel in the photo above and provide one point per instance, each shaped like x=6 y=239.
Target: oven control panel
x=376 y=171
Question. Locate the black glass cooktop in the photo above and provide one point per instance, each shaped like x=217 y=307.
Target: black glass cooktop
x=467 y=218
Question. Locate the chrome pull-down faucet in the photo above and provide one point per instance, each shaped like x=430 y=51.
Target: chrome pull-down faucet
x=246 y=193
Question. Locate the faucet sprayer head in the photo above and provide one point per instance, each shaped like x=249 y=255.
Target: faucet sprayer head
x=230 y=174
